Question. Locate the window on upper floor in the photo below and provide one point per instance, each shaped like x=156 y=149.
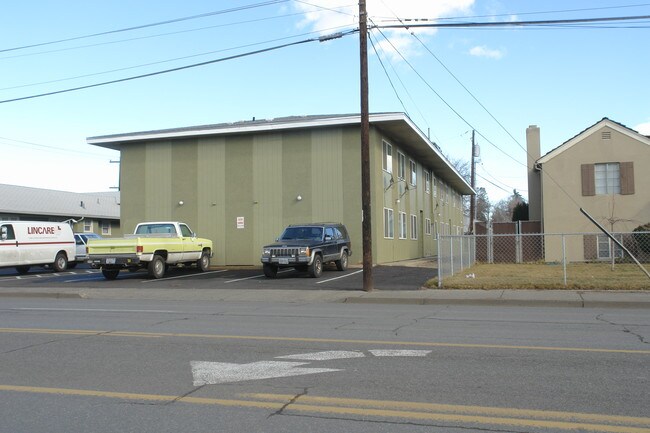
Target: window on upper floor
x=427 y=182
x=607 y=178
x=414 y=173
x=387 y=154
x=401 y=165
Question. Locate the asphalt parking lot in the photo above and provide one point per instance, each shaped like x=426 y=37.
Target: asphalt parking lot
x=385 y=278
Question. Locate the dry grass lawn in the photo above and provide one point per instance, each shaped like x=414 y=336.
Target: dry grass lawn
x=581 y=276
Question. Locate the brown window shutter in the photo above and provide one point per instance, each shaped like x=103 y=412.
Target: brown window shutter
x=627 y=178
x=590 y=243
x=588 y=180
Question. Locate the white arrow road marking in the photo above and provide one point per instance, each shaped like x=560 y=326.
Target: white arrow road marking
x=324 y=356
x=211 y=373
x=400 y=352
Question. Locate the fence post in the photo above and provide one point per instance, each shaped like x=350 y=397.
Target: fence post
x=564 y=259
x=439 y=262
x=461 y=253
x=451 y=255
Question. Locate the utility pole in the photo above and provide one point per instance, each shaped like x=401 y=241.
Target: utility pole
x=472 y=199
x=366 y=226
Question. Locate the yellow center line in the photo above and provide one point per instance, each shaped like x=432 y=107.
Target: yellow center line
x=315 y=340
x=447 y=408
x=385 y=409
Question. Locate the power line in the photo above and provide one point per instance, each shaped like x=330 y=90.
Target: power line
x=534 y=13
x=422 y=23
x=142 y=26
x=152 y=36
x=171 y=60
x=460 y=116
x=166 y=71
x=50 y=148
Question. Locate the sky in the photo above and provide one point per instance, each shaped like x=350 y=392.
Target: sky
x=450 y=81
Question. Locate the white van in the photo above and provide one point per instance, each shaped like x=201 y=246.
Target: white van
x=35 y=243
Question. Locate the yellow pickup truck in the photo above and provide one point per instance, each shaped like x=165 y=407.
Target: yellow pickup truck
x=153 y=246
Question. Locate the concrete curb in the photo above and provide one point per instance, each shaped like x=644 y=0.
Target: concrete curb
x=517 y=298
x=55 y=295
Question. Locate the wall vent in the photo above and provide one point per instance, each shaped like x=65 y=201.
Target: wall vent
x=606 y=135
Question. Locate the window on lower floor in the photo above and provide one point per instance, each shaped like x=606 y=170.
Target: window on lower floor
x=605 y=247
x=388 y=223
x=427 y=226
x=106 y=228
x=88 y=226
x=414 y=227
x=402 y=225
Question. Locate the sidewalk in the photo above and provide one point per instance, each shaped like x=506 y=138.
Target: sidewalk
x=536 y=298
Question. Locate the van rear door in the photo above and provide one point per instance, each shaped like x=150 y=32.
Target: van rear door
x=8 y=246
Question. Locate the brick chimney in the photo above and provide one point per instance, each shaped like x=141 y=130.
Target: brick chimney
x=534 y=176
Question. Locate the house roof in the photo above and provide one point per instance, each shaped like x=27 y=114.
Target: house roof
x=604 y=122
x=36 y=201
x=395 y=125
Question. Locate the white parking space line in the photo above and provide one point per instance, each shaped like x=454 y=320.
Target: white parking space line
x=342 y=276
x=84 y=278
x=185 y=276
x=256 y=276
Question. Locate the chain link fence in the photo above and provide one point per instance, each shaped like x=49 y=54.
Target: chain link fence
x=542 y=260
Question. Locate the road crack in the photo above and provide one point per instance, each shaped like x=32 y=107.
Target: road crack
x=624 y=328
x=289 y=403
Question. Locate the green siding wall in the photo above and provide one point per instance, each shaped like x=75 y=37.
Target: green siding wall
x=259 y=177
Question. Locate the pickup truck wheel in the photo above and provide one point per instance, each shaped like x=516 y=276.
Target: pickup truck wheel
x=316 y=267
x=204 y=262
x=22 y=270
x=269 y=270
x=110 y=274
x=156 y=267
x=342 y=263
x=60 y=262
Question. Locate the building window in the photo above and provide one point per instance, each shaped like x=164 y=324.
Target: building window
x=435 y=187
x=414 y=173
x=106 y=228
x=402 y=225
x=608 y=178
x=427 y=226
x=605 y=245
x=88 y=226
x=388 y=223
x=435 y=230
x=387 y=162
x=427 y=182
x=401 y=165
x=414 y=227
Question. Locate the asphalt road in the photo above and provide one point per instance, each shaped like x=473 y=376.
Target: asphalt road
x=385 y=278
x=153 y=366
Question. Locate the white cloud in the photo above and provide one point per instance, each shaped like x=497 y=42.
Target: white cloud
x=328 y=16
x=643 y=128
x=483 y=51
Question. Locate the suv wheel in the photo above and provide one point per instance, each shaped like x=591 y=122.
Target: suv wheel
x=269 y=270
x=316 y=267
x=342 y=263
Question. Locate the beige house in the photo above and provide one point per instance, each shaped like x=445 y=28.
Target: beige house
x=241 y=183
x=604 y=170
